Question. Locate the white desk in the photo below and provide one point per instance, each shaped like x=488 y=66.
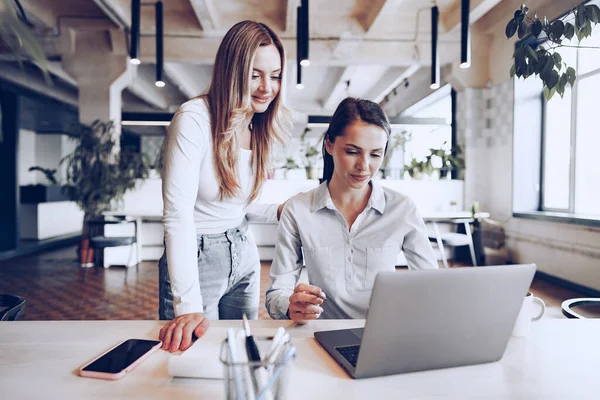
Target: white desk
x=39 y=360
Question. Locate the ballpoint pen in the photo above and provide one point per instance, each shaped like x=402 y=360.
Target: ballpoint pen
x=260 y=373
x=251 y=347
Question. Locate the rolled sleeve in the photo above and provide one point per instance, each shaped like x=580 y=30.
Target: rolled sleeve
x=416 y=246
x=286 y=266
x=186 y=144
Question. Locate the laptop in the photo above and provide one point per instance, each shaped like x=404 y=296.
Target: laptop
x=422 y=320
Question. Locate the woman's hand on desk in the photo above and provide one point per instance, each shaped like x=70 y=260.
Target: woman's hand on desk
x=305 y=303
x=178 y=333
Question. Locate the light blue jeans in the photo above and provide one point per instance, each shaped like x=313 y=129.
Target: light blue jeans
x=229 y=275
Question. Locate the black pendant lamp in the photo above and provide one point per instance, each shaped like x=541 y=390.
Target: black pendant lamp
x=435 y=63
x=465 y=37
x=159 y=44
x=134 y=48
x=304 y=36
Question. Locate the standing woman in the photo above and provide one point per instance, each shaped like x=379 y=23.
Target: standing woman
x=216 y=159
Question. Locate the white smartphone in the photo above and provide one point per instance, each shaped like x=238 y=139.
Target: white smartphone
x=119 y=360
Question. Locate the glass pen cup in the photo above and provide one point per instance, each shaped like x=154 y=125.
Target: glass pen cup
x=257 y=380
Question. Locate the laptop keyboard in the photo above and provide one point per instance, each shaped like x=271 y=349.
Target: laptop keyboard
x=350 y=353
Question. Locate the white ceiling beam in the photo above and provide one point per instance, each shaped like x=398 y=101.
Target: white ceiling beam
x=498 y=17
x=187 y=78
x=202 y=50
x=55 y=68
x=291 y=16
x=451 y=18
x=390 y=80
x=207 y=14
x=149 y=93
x=116 y=11
x=376 y=8
x=338 y=89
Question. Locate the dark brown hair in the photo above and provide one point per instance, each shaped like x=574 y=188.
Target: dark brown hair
x=349 y=111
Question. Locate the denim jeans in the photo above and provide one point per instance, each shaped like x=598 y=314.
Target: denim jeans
x=229 y=275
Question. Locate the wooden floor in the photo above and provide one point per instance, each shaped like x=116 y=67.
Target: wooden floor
x=52 y=283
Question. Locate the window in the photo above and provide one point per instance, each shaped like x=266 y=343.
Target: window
x=431 y=128
x=571 y=137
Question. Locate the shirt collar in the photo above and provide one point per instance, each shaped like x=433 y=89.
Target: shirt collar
x=322 y=198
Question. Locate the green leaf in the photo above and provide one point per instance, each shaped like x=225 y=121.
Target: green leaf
x=536 y=28
x=557 y=29
x=593 y=13
x=520 y=61
x=569 y=30
x=557 y=60
x=511 y=28
x=580 y=19
x=578 y=33
x=548 y=93
x=571 y=75
x=512 y=70
x=531 y=53
x=522 y=31
x=548 y=66
x=562 y=82
x=552 y=79
x=586 y=31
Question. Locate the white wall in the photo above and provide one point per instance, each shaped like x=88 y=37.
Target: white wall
x=42 y=150
x=27 y=158
x=485 y=123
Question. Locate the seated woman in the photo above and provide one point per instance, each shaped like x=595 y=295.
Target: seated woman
x=349 y=228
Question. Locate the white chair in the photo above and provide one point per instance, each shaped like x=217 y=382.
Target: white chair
x=453 y=239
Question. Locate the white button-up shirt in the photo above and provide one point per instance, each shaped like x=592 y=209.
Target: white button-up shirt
x=344 y=262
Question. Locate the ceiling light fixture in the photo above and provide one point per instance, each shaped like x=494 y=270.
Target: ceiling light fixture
x=158 y=7
x=435 y=64
x=303 y=34
x=299 y=84
x=134 y=48
x=465 y=37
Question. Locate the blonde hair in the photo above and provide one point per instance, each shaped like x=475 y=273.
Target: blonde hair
x=229 y=101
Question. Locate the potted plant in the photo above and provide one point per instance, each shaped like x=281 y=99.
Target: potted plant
x=311 y=156
x=41 y=193
x=99 y=174
x=397 y=140
x=290 y=164
x=416 y=169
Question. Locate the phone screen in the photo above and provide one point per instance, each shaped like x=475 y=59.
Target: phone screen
x=121 y=356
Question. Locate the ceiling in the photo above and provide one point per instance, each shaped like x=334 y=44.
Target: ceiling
x=362 y=48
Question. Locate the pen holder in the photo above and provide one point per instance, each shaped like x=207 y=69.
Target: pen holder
x=257 y=380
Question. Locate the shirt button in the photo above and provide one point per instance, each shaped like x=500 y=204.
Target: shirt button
x=349 y=258
x=351 y=250
x=349 y=276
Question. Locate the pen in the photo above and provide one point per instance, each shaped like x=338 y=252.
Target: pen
x=260 y=373
x=251 y=347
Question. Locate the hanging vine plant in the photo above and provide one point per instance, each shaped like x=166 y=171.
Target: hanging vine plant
x=544 y=61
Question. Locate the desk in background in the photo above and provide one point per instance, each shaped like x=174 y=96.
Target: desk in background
x=559 y=360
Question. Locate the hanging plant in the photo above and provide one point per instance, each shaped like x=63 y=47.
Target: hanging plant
x=546 y=62
x=17 y=34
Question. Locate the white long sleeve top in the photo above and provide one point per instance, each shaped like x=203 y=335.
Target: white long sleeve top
x=191 y=204
x=342 y=262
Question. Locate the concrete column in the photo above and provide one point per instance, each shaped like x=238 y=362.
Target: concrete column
x=101 y=75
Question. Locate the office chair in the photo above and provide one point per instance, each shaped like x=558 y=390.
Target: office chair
x=568 y=305
x=453 y=239
x=13 y=307
x=99 y=242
